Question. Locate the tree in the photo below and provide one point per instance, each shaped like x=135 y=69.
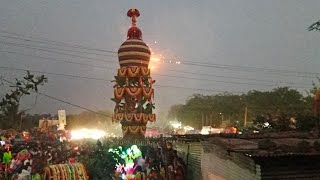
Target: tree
x=276 y=107
x=174 y=111
x=9 y=106
x=279 y=100
x=202 y=110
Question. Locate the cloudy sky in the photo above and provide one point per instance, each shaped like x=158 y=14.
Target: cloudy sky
x=223 y=45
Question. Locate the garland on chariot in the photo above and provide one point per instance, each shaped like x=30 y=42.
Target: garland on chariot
x=133 y=89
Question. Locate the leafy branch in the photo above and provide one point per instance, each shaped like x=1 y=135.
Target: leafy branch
x=315 y=26
x=9 y=105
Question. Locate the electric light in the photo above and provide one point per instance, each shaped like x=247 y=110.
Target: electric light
x=188 y=128
x=128 y=155
x=87 y=134
x=176 y=125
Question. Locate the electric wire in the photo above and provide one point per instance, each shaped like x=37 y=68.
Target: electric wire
x=60 y=100
x=109 y=81
x=61 y=53
x=192 y=63
x=53 y=42
x=55 y=48
x=164 y=75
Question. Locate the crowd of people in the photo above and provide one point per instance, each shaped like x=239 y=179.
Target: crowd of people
x=26 y=160
x=160 y=162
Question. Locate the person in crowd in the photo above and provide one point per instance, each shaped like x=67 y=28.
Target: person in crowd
x=154 y=175
x=28 y=167
x=72 y=159
x=99 y=144
x=169 y=153
x=178 y=170
x=140 y=174
x=7 y=158
x=49 y=157
x=13 y=161
x=170 y=172
x=162 y=172
x=36 y=176
x=141 y=162
x=23 y=174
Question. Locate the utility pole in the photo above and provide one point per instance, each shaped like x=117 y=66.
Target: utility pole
x=245 y=116
x=202 y=120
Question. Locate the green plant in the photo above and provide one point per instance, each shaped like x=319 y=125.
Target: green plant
x=149 y=107
x=145 y=80
x=100 y=164
x=306 y=123
x=120 y=81
x=140 y=105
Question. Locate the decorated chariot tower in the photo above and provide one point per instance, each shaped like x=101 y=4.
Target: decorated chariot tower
x=133 y=91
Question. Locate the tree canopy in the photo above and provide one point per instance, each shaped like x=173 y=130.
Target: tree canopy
x=279 y=104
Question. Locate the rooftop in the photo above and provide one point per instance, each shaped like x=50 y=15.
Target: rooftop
x=264 y=144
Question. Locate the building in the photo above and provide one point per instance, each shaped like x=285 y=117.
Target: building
x=286 y=156
x=49 y=123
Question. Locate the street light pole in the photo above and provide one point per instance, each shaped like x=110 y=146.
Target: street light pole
x=221 y=114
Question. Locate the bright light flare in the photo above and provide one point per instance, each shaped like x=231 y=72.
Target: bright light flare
x=188 y=128
x=154 y=61
x=205 y=130
x=176 y=125
x=87 y=134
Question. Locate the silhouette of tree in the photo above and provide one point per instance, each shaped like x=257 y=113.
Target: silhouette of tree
x=10 y=114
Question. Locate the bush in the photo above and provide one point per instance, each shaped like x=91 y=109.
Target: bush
x=266 y=144
x=99 y=163
x=306 y=123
